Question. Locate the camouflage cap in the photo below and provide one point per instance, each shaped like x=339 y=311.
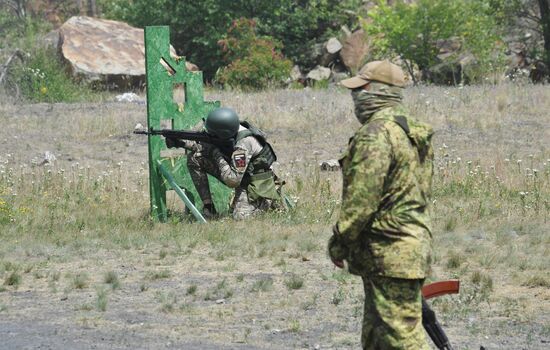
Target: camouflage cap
x=381 y=71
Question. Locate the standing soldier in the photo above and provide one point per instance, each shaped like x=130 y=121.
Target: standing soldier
x=383 y=230
x=245 y=167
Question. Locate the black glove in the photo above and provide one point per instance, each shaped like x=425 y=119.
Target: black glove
x=172 y=143
x=337 y=250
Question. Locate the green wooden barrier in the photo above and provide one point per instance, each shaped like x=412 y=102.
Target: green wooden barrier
x=168 y=80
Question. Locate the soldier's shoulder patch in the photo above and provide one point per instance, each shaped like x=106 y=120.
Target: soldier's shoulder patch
x=239 y=160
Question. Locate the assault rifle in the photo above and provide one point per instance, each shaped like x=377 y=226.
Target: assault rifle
x=225 y=145
x=433 y=328
x=429 y=320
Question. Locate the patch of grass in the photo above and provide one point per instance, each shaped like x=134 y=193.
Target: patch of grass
x=483 y=282
x=85 y=307
x=163 y=253
x=454 y=260
x=157 y=275
x=451 y=224
x=38 y=275
x=101 y=299
x=240 y=277
x=80 y=280
x=54 y=275
x=14 y=278
x=168 y=301
x=111 y=278
x=3 y=308
x=28 y=268
x=264 y=284
x=221 y=290
x=341 y=276
x=281 y=262
x=44 y=79
x=191 y=290
x=537 y=281
x=294 y=281
x=294 y=326
x=338 y=297
x=311 y=304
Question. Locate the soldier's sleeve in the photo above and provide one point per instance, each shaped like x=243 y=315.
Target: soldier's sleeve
x=232 y=171
x=370 y=158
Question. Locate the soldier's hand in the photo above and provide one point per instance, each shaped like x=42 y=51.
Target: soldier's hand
x=337 y=250
x=171 y=143
x=339 y=263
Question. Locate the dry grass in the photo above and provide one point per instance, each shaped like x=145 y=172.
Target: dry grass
x=267 y=282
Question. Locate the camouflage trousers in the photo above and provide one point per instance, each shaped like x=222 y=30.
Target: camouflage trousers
x=393 y=314
x=200 y=165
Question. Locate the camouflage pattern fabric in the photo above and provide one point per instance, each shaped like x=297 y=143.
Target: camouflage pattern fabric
x=383 y=228
x=209 y=160
x=393 y=315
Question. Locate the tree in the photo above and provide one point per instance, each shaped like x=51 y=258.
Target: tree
x=411 y=31
x=544 y=7
x=532 y=16
x=18 y=6
x=253 y=62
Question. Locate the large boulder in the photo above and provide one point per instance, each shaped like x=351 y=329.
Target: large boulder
x=355 y=50
x=330 y=52
x=319 y=74
x=454 y=70
x=105 y=51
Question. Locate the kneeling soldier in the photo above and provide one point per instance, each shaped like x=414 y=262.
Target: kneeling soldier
x=246 y=166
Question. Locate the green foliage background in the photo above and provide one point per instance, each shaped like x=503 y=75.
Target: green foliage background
x=252 y=62
x=411 y=31
x=197 y=26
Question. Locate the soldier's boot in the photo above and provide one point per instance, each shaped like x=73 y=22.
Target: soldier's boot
x=209 y=211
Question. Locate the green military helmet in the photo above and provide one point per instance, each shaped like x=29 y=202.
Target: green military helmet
x=222 y=123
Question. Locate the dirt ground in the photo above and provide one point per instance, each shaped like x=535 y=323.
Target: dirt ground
x=178 y=297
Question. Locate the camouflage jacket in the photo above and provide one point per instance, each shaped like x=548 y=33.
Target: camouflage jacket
x=383 y=227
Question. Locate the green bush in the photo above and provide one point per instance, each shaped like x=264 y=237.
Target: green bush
x=254 y=62
x=42 y=78
x=411 y=31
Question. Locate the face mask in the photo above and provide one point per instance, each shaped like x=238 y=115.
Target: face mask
x=378 y=97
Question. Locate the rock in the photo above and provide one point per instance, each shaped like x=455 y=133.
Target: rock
x=49 y=158
x=448 y=47
x=354 y=50
x=107 y=51
x=129 y=97
x=296 y=74
x=333 y=46
x=452 y=71
x=319 y=73
x=330 y=165
x=539 y=72
x=337 y=77
x=330 y=52
x=51 y=40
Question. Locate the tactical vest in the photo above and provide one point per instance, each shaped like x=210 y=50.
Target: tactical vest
x=262 y=161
